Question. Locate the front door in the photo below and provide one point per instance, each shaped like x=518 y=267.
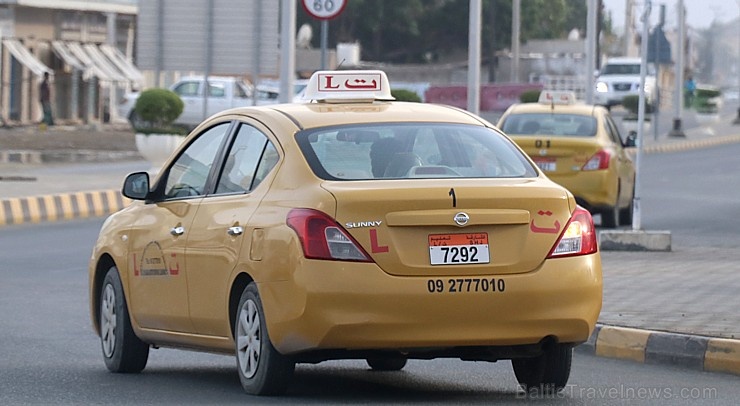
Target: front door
x=159 y=286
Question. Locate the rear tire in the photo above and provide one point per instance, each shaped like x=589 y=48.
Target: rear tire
x=387 y=363
x=262 y=369
x=547 y=373
x=123 y=351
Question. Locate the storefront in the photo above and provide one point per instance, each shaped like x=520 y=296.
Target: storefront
x=85 y=47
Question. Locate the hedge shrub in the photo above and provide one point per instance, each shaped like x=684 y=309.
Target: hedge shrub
x=530 y=96
x=158 y=109
x=405 y=95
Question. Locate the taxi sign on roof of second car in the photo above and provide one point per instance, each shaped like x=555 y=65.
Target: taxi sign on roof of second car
x=557 y=97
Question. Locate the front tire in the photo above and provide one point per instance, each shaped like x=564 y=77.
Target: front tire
x=262 y=369
x=123 y=351
x=610 y=217
x=625 y=215
x=546 y=373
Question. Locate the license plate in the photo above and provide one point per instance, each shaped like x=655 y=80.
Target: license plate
x=458 y=249
x=546 y=165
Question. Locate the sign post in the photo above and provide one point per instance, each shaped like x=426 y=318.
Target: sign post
x=324 y=10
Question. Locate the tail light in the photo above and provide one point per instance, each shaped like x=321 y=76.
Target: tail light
x=579 y=237
x=599 y=160
x=323 y=238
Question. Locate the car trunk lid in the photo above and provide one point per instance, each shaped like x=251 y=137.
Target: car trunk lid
x=475 y=227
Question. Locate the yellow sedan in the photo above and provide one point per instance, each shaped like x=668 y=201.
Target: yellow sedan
x=348 y=227
x=578 y=146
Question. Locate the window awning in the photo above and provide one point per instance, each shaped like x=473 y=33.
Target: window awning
x=25 y=57
x=60 y=48
x=93 y=65
x=103 y=62
x=126 y=67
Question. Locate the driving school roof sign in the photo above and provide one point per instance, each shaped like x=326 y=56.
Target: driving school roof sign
x=348 y=86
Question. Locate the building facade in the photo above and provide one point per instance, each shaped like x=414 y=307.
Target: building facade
x=85 y=46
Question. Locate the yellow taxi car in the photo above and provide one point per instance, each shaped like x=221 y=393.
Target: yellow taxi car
x=578 y=146
x=349 y=227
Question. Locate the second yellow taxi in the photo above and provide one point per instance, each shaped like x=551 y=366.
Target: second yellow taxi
x=578 y=146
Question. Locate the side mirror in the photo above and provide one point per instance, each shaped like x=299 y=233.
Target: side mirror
x=136 y=186
x=631 y=139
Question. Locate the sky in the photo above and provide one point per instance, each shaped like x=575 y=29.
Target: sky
x=699 y=13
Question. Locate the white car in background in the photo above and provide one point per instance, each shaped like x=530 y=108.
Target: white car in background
x=620 y=77
x=224 y=93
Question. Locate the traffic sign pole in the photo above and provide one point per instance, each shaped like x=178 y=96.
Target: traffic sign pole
x=324 y=10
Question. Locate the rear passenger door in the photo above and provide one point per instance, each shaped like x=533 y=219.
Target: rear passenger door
x=626 y=168
x=222 y=225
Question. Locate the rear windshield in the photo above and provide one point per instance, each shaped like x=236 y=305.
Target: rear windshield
x=549 y=124
x=411 y=150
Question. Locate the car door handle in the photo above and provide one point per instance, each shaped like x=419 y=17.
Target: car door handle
x=179 y=230
x=236 y=230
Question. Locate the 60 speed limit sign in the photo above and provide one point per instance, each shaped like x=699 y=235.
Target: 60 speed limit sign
x=324 y=9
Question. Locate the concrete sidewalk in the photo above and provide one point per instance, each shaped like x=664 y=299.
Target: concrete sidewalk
x=675 y=307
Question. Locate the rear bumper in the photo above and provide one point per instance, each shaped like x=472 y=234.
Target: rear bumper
x=332 y=306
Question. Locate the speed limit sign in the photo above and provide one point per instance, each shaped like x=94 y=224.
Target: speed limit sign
x=324 y=9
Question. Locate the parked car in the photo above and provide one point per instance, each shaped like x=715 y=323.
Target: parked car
x=351 y=227
x=578 y=146
x=270 y=90
x=620 y=77
x=224 y=93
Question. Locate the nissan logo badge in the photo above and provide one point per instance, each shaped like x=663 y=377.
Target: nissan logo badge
x=461 y=219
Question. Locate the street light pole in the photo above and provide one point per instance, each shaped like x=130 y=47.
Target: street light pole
x=636 y=220
x=677 y=131
x=737 y=71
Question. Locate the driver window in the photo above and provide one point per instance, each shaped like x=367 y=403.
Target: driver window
x=189 y=173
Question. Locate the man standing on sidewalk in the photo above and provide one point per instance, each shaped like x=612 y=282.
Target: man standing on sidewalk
x=45 y=98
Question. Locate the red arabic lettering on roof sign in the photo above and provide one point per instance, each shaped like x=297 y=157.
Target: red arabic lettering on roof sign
x=338 y=82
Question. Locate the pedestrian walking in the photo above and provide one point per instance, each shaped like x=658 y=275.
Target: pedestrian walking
x=45 y=98
x=689 y=91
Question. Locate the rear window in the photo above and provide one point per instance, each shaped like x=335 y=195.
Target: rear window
x=549 y=124
x=411 y=150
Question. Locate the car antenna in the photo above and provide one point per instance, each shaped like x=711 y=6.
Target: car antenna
x=341 y=63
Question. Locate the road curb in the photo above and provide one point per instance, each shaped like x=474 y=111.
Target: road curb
x=691 y=144
x=656 y=347
x=59 y=207
x=62 y=156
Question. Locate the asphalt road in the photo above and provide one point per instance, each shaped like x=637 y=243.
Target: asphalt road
x=49 y=354
x=694 y=194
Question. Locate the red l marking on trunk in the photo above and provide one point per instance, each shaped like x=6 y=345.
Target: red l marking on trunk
x=374 y=242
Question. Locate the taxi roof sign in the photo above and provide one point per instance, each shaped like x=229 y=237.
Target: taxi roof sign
x=557 y=97
x=348 y=86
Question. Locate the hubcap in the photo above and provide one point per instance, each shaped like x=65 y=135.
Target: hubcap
x=248 y=339
x=108 y=321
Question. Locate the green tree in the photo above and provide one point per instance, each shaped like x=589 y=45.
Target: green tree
x=415 y=31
